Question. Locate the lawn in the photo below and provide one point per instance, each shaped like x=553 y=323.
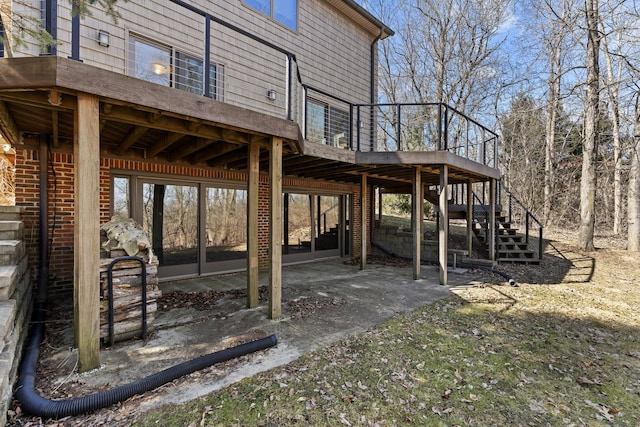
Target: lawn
x=562 y=348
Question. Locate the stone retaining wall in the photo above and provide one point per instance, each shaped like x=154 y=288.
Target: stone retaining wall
x=15 y=301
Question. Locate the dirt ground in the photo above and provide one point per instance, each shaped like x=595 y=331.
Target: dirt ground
x=563 y=264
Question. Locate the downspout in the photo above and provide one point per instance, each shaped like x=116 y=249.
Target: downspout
x=372 y=99
x=373 y=64
x=43 y=221
x=373 y=87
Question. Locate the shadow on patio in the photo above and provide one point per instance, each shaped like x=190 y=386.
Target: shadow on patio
x=323 y=302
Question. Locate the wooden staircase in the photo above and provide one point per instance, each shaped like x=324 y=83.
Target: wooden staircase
x=511 y=246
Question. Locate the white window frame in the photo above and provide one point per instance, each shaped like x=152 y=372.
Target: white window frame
x=169 y=66
x=271 y=13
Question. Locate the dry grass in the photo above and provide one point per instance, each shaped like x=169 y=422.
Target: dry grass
x=563 y=348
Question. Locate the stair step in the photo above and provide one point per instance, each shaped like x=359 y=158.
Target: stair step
x=11 y=251
x=11 y=230
x=519 y=260
x=11 y=213
x=513 y=238
x=10 y=276
x=513 y=248
x=517 y=251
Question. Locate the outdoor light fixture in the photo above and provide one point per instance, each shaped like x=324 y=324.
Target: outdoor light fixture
x=103 y=38
x=271 y=94
x=159 y=68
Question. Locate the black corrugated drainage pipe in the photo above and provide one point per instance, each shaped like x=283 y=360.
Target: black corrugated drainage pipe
x=34 y=404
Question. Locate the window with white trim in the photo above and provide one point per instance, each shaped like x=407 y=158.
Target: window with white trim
x=327 y=124
x=283 y=11
x=162 y=64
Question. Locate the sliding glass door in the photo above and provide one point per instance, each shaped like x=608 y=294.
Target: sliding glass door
x=313 y=226
x=201 y=227
x=170 y=218
x=225 y=229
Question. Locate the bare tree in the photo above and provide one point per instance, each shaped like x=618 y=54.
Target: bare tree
x=591 y=117
x=613 y=82
x=559 y=19
x=442 y=51
x=633 y=201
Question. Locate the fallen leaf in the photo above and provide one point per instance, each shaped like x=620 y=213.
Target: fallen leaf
x=587 y=381
x=343 y=420
x=537 y=407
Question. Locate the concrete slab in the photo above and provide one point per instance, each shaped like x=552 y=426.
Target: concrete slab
x=358 y=301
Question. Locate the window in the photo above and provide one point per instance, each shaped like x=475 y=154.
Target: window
x=226 y=224
x=162 y=64
x=121 y=204
x=327 y=124
x=283 y=11
x=150 y=61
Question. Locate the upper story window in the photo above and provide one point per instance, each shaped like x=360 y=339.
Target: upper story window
x=283 y=11
x=327 y=125
x=162 y=64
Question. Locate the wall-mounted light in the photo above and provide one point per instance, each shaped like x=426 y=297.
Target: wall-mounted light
x=271 y=94
x=103 y=38
x=159 y=68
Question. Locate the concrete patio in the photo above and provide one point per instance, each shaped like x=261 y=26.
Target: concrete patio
x=344 y=300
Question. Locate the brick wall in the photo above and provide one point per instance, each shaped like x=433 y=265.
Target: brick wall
x=61 y=204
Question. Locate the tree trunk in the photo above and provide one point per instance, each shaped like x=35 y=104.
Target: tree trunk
x=588 y=181
x=550 y=125
x=613 y=84
x=633 y=201
x=158 y=221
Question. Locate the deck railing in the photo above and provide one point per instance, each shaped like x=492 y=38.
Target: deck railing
x=334 y=121
x=424 y=127
x=517 y=214
x=271 y=83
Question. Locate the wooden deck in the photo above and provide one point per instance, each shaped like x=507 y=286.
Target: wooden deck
x=142 y=120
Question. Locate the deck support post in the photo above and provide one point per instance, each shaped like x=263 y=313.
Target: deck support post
x=492 y=220
x=363 y=221
x=416 y=217
x=275 y=229
x=469 y=217
x=443 y=224
x=253 y=173
x=86 y=260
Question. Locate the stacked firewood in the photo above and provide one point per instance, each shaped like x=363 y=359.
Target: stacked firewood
x=121 y=238
x=127 y=298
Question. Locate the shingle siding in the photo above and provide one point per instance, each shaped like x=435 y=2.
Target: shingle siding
x=333 y=52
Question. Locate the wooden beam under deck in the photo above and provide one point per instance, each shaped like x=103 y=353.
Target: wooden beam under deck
x=133 y=135
x=186 y=149
x=416 y=218
x=167 y=141
x=253 y=168
x=86 y=278
x=364 y=190
x=8 y=126
x=275 y=230
x=214 y=150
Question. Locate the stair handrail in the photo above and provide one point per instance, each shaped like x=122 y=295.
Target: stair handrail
x=488 y=215
x=529 y=216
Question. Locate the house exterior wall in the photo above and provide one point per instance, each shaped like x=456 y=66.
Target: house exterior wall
x=61 y=204
x=332 y=51
x=332 y=54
